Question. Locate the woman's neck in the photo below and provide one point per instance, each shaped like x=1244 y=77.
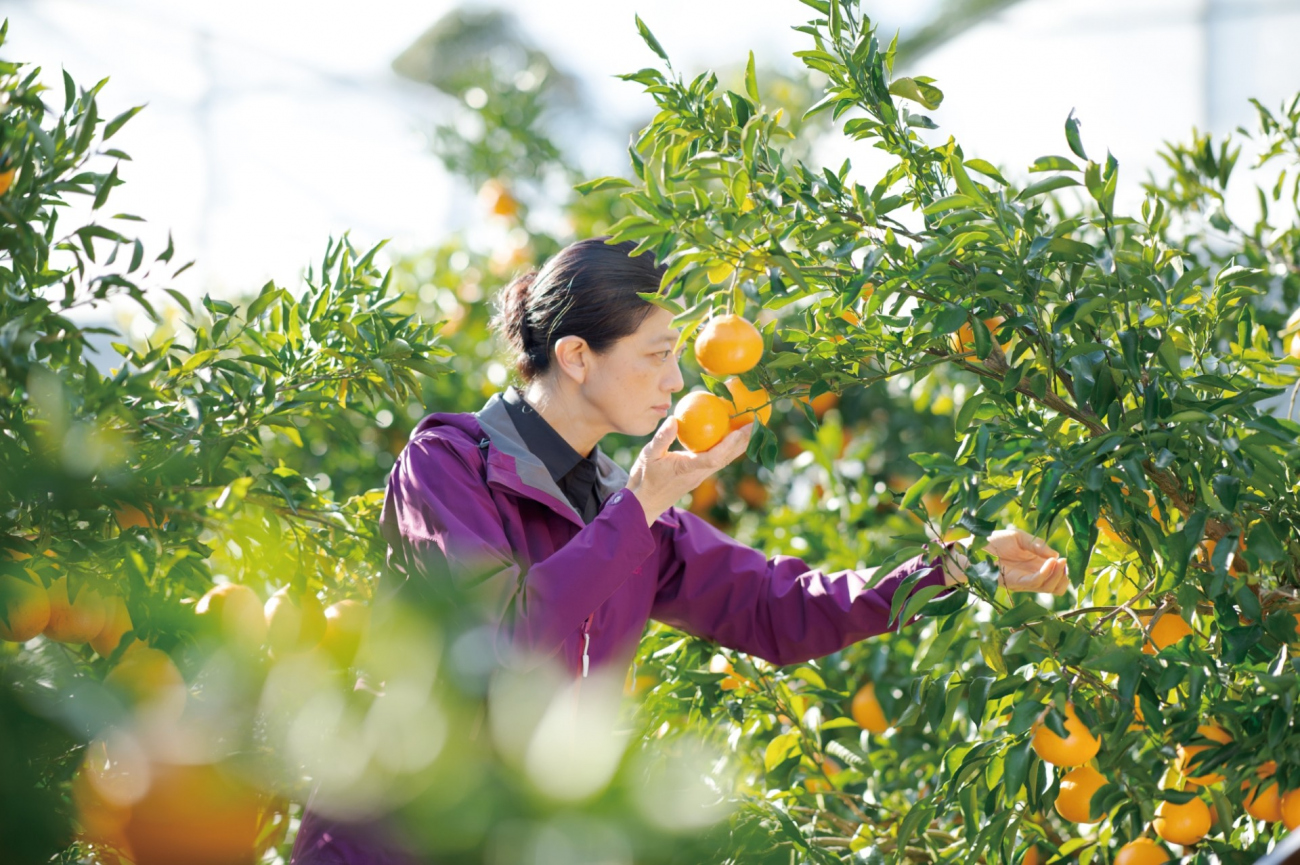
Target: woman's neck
x=568 y=414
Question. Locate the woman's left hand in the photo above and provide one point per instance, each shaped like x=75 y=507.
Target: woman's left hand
x=1026 y=563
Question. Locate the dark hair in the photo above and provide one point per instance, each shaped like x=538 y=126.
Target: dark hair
x=588 y=289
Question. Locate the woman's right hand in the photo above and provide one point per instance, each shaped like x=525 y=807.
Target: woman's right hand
x=660 y=477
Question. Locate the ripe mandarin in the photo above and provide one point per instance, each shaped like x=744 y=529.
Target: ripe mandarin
x=78 y=621
x=1168 y=629
x=867 y=711
x=703 y=420
x=748 y=404
x=728 y=345
x=1141 y=851
x=1214 y=733
x=1077 y=748
x=1078 y=786
x=24 y=608
x=1182 y=824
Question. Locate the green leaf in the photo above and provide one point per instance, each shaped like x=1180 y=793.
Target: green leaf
x=1048 y=184
x=751 y=80
x=117 y=122
x=986 y=169
x=651 y=41
x=780 y=749
x=1053 y=163
x=1072 y=136
x=661 y=301
x=601 y=183
x=909 y=88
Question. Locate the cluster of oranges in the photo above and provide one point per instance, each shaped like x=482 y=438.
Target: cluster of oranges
x=1183 y=823
x=727 y=346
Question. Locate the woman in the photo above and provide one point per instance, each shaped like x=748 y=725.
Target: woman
x=517 y=506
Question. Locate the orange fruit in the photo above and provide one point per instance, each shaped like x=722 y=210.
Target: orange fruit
x=7 y=180
x=237 y=612
x=1033 y=856
x=851 y=317
x=748 y=404
x=728 y=345
x=149 y=682
x=24 y=608
x=1169 y=629
x=720 y=664
x=1141 y=851
x=1077 y=748
x=1214 y=733
x=964 y=339
x=196 y=814
x=346 y=624
x=1074 y=801
x=293 y=624
x=131 y=517
x=117 y=623
x=752 y=492
x=498 y=199
x=867 y=711
x=1108 y=531
x=1182 y=824
x=79 y=621
x=99 y=821
x=1263 y=801
x=703 y=420
x=704 y=497
x=1291 y=810
x=821 y=403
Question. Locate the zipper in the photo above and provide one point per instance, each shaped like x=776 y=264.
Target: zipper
x=586 y=645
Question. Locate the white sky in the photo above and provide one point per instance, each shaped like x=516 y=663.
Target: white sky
x=273 y=124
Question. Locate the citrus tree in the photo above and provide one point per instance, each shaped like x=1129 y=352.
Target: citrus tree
x=1123 y=380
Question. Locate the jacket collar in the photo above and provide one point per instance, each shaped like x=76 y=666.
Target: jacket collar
x=530 y=470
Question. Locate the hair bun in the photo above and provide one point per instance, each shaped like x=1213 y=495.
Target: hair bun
x=512 y=319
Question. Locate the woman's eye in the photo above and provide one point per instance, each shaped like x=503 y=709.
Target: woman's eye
x=666 y=354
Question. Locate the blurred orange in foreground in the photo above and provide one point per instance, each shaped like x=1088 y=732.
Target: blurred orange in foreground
x=24 y=609
x=78 y=620
x=293 y=623
x=196 y=815
x=237 y=612
x=149 y=682
x=346 y=624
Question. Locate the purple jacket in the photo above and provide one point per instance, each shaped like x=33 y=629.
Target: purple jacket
x=467 y=501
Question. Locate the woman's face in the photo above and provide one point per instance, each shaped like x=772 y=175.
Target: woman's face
x=632 y=383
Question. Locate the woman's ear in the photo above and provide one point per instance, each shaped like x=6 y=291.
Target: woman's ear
x=573 y=356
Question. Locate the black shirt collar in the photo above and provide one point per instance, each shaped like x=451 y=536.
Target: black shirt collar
x=546 y=444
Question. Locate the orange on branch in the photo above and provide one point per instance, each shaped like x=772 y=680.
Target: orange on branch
x=720 y=664
x=293 y=623
x=149 y=682
x=1168 y=630
x=964 y=340
x=752 y=492
x=728 y=345
x=1291 y=810
x=1077 y=748
x=867 y=711
x=1078 y=786
x=7 y=180
x=1141 y=851
x=76 y=620
x=748 y=404
x=1186 y=753
x=237 y=613
x=116 y=623
x=821 y=403
x=498 y=199
x=24 y=608
x=1183 y=824
x=704 y=497
x=346 y=625
x=1262 y=800
x=703 y=420
x=131 y=517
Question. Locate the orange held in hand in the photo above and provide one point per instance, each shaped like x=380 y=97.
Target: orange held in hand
x=728 y=345
x=24 y=608
x=1183 y=824
x=867 y=711
x=1141 y=851
x=703 y=420
x=1078 y=786
x=748 y=404
x=1074 y=750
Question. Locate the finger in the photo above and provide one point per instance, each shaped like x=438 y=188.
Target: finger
x=732 y=446
x=663 y=438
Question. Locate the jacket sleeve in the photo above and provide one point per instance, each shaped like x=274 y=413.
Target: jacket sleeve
x=447 y=534
x=778 y=609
